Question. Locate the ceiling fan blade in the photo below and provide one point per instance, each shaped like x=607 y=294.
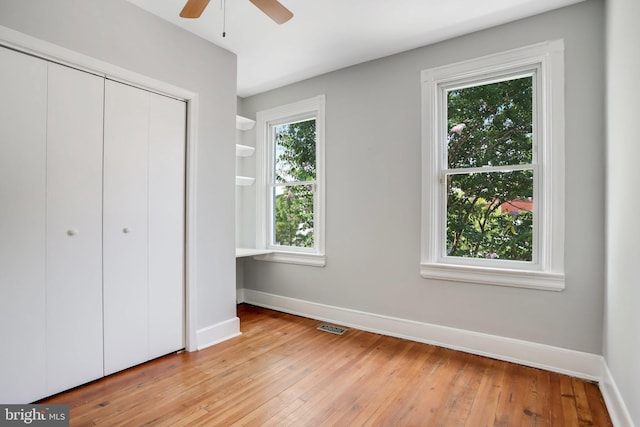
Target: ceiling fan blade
x=274 y=10
x=194 y=8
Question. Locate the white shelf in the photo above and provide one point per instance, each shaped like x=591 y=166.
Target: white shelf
x=246 y=252
x=243 y=123
x=244 y=150
x=244 y=180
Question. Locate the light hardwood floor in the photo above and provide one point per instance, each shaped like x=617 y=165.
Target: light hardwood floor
x=282 y=371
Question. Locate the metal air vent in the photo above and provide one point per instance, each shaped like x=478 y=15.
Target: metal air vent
x=332 y=329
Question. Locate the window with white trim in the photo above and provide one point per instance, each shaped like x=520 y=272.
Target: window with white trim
x=290 y=182
x=493 y=169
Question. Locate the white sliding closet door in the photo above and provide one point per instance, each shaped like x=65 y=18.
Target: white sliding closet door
x=167 y=136
x=143 y=226
x=74 y=228
x=125 y=233
x=23 y=118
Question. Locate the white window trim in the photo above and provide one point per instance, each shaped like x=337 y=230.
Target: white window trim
x=312 y=107
x=546 y=271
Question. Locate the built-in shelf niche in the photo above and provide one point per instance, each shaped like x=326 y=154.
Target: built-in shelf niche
x=244 y=124
x=244 y=166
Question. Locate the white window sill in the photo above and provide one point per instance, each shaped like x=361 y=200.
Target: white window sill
x=314 y=260
x=494 y=276
x=247 y=252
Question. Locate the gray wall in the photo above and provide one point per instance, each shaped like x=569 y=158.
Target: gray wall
x=373 y=192
x=119 y=33
x=622 y=332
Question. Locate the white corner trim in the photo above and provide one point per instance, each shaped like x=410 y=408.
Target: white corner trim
x=569 y=362
x=620 y=416
x=214 y=334
x=191 y=227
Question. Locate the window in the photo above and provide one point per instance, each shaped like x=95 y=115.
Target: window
x=493 y=169
x=290 y=181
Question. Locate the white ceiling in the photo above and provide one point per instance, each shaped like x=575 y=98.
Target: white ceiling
x=326 y=35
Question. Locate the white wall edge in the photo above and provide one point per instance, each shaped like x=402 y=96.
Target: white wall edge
x=214 y=334
x=620 y=416
x=240 y=295
x=564 y=361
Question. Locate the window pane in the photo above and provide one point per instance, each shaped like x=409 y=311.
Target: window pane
x=293 y=216
x=491 y=124
x=490 y=215
x=295 y=151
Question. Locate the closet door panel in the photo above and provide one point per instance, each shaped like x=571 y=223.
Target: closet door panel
x=23 y=91
x=167 y=129
x=125 y=226
x=74 y=228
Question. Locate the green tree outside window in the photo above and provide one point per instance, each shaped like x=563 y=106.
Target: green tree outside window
x=295 y=175
x=490 y=214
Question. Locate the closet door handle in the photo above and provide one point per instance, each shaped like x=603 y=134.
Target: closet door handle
x=72 y=232
x=126 y=230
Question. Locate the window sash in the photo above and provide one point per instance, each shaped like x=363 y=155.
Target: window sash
x=456 y=259
x=442 y=125
x=272 y=243
x=532 y=72
x=273 y=184
x=274 y=146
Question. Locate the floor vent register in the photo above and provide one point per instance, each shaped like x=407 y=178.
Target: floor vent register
x=332 y=329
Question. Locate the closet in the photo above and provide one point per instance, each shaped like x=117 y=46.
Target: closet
x=143 y=225
x=73 y=218
x=92 y=244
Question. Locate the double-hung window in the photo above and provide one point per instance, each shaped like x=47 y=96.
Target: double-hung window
x=493 y=169
x=290 y=180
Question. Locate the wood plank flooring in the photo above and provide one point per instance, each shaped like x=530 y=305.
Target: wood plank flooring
x=284 y=372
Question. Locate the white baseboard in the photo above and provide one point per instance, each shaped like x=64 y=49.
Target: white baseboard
x=217 y=333
x=588 y=366
x=570 y=362
x=618 y=411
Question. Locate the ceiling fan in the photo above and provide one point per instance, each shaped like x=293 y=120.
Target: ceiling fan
x=272 y=8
